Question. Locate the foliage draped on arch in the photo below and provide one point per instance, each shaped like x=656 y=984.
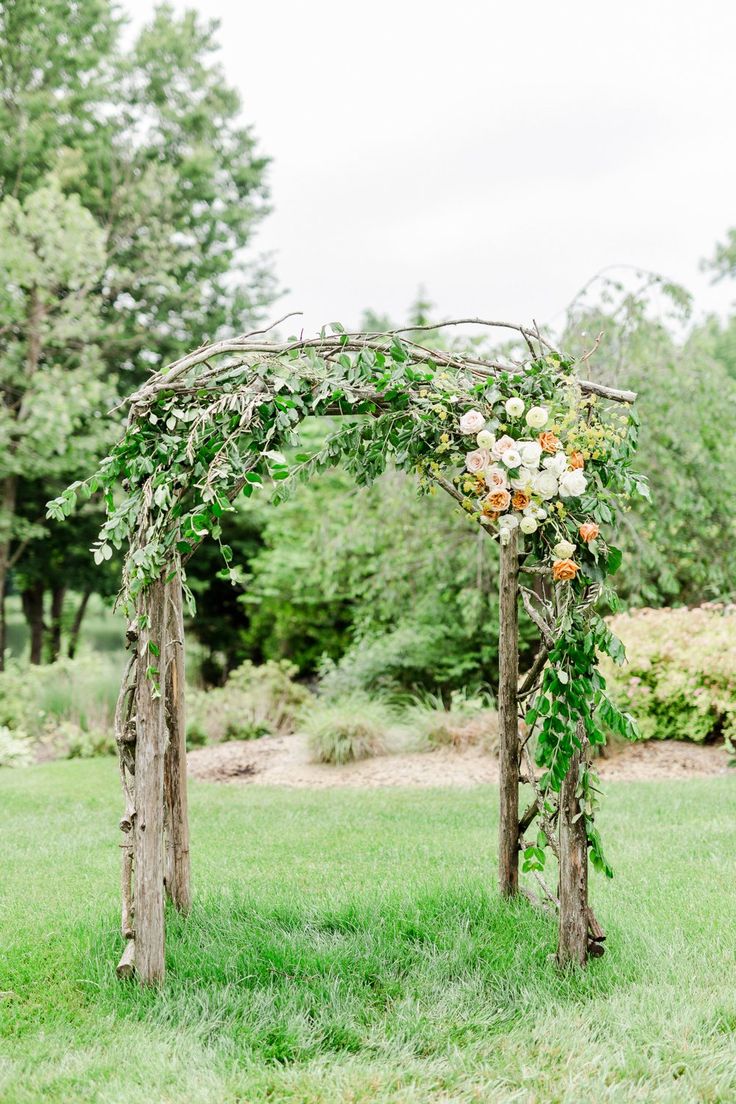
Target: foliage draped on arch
x=536 y=456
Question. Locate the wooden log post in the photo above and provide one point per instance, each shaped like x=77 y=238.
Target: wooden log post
x=572 y=946
x=151 y=736
x=508 y=722
x=177 y=875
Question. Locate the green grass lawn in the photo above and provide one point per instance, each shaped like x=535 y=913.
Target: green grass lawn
x=350 y=946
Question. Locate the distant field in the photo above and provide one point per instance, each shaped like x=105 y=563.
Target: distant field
x=350 y=946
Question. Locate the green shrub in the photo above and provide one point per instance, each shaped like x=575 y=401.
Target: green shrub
x=348 y=728
x=15 y=748
x=680 y=678
x=469 y=721
x=255 y=701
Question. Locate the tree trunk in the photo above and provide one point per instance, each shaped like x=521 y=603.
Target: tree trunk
x=32 y=600
x=508 y=722
x=7 y=510
x=57 y=611
x=150 y=752
x=178 y=878
x=77 y=624
x=572 y=948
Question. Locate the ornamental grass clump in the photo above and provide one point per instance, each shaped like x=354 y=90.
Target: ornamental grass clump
x=348 y=729
x=469 y=721
x=680 y=679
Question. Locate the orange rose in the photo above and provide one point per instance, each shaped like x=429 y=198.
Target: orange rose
x=489 y=513
x=576 y=460
x=521 y=500
x=563 y=570
x=499 y=500
x=588 y=531
x=548 y=441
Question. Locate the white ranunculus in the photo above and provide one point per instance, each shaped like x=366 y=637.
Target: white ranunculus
x=477 y=460
x=528 y=524
x=485 y=439
x=564 y=550
x=556 y=463
x=514 y=407
x=530 y=452
x=572 y=483
x=496 y=478
x=540 y=513
x=472 y=421
x=545 y=484
x=523 y=480
x=511 y=458
x=537 y=417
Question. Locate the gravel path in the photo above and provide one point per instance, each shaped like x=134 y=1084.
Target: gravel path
x=284 y=761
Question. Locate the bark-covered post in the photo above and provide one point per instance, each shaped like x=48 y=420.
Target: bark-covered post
x=177 y=876
x=148 y=826
x=572 y=947
x=508 y=724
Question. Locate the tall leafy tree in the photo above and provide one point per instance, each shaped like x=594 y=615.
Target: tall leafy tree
x=149 y=144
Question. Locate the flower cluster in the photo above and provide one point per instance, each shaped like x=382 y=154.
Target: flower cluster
x=525 y=481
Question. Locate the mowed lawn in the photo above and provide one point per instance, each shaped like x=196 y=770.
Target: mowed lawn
x=351 y=946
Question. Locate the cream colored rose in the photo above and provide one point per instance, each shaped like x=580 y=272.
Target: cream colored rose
x=530 y=453
x=523 y=480
x=485 y=440
x=564 y=550
x=556 y=463
x=477 y=460
x=537 y=416
x=572 y=483
x=472 y=422
x=545 y=484
x=501 y=445
x=514 y=407
x=496 y=477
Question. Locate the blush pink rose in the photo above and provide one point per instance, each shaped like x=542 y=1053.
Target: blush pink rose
x=477 y=460
x=472 y=422
x=502 y=445
x=497 y=478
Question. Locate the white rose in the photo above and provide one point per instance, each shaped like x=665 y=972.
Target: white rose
x=537 y=417
x=478 y=460
x=514 y=407
x=508 y=521
x=572 y=483
x=511 y=458
x=496 y=478
x=556 y=463
x=545 y=484
x=485 y=440
x=528 y=524
x=530 y=452
x=472 y=422
x=564 y=550
x=523 y=479
x=501 y=445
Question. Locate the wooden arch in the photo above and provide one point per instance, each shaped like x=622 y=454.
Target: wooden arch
x=235 y=377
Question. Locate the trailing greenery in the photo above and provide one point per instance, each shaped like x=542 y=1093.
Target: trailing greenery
x=347 y=944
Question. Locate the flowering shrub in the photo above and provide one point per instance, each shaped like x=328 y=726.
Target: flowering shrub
x=255 y=701
x=680 y=678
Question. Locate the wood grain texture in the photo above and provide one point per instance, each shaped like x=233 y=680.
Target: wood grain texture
x=572 y=947
x=178 y=873
x=508 y=757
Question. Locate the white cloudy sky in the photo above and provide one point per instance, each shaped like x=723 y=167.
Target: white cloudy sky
x=498 y=152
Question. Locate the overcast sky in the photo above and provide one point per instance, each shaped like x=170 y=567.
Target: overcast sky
x=499 y=153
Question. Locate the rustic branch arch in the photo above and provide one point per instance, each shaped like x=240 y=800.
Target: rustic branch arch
x=209 y=427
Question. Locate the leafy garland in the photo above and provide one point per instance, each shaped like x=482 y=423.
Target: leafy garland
x=520 y=447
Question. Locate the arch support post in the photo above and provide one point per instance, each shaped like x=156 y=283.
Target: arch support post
x=150 y=751
x=177 y=872
x=508 y=724
x=572 y=946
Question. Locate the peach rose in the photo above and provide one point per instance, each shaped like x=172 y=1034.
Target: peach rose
x=563 y=570
x=499 y=500
x=548 y=441
x=521 y=500
x=588 y=531
x=575 y=460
